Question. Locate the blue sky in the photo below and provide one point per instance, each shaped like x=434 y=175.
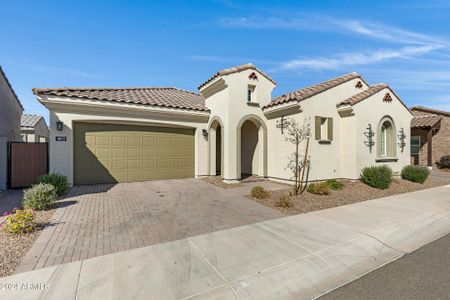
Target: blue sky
x=182 y=43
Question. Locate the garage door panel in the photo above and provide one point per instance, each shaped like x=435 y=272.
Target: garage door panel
x=119 y=164
x=102 y=140
x=134 y=152
x=118 y=153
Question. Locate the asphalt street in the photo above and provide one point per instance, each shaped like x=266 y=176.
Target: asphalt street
x=421 y=274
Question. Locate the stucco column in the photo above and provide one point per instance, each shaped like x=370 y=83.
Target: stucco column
x=212 y=135
x=231 y=163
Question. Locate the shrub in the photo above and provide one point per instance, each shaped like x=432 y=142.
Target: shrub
x=259 y=192
x=59 y=181
x=415 y=173
x=379 y=177
x=21 y=221
x=284 y=200
x=334 y=184
x=444 y=162
x=320 y=188
x=41 y=196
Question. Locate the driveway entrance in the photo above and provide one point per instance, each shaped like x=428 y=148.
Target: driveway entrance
x=101 y=219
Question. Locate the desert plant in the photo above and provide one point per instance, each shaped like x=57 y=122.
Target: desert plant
x=259 y=192
x=320 y=188
x=41 y=196
x=415 y=173
x=334 y=184
x=379 y=177
x=20 y=221
x=444 y=162
x=296 y=134
x=59 y=181
x=284 y=201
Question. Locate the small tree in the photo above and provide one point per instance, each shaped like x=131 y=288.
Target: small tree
x=296 y=134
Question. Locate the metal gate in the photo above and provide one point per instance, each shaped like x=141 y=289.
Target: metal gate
x=26 y=162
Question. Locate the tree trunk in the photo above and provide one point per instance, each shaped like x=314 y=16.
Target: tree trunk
x=296 y=169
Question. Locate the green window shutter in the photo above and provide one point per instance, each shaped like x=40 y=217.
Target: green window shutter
x=330 y=129
x=317 y=127
x=378 y=142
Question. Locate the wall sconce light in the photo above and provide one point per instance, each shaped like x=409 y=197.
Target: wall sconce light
x=59 y=125
x=369 y=135
x=205 y=133
x=401 y=136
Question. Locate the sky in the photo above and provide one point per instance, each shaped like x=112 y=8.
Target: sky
x=182 y=43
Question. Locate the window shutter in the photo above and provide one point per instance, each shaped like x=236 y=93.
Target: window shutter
x=391 y=143
x=330 y=129
x=378 y=141
x=317 y=127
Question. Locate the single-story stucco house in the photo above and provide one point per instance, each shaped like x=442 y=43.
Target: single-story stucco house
x=430 y=135
x=33 y=129
x=10 y=111
x=100 y=135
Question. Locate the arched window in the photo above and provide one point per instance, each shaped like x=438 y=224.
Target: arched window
x=386 y=138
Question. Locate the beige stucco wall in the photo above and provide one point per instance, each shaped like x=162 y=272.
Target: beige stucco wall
x=226 y=97
x=10 y=114
x=327 y=160
x=371 y=111
x=61 y=152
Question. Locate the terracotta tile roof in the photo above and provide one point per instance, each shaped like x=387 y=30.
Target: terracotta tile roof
x=155 y=96
x=427 y=121
x=10 y=87
x=29 y=121
x=363 y=95
x=235 y=70
x=313 y=90
x=431 y=110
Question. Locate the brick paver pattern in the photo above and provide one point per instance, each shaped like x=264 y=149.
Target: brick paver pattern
x=96 y=220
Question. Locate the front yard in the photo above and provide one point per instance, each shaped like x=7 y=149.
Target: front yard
x=13 y=247
x=353 y=191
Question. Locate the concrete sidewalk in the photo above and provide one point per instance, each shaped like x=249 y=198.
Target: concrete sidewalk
x=298 y=257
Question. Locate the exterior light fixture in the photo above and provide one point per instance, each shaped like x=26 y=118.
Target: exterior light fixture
x=59 y=125
x=205 y=133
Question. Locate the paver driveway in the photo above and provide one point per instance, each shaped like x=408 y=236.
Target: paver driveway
x=101 y=219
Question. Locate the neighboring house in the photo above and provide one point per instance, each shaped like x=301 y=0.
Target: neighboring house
x=34 y=129
x=430 y=135
x=10 y=112
x=230 y=128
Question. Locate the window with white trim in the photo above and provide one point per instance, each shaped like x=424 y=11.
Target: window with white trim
x=251 y=93
x=387 y=146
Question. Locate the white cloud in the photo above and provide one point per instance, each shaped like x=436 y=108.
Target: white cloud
x=327 y=23
x=356 y=58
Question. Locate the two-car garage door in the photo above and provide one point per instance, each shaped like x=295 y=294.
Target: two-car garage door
x=105 y=153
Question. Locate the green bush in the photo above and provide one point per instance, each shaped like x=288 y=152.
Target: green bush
x=334 y=184
x=284 y=201
x=41 y=196
x=444 y=162
x=59 y=181
x=21 y=221
x=259 y=192
x=320 y=188
x=415 y=173
x=379 y=177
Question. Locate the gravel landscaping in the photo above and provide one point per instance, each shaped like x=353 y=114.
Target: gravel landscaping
x=14 y=247
x=354 y=191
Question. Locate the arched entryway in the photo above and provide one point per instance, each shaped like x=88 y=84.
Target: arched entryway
x=251 y=147
x=215 y=144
